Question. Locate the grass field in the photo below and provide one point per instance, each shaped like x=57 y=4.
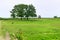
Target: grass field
x=42 y=29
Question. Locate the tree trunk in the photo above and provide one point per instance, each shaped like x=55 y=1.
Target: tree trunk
x=21 y=18
x=27 y=18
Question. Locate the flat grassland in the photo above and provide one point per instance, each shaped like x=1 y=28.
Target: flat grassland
x=39 y=29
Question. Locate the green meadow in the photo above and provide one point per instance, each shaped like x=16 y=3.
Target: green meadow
x=35 y=29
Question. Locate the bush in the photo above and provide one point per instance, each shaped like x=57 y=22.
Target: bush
x=39 y=16
x=18 y=35
x=55 y=17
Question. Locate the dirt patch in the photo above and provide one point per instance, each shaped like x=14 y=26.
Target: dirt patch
x=7 y=37
x=1 y=38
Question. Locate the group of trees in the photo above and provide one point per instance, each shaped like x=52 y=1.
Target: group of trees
x=56 y=17
x=26 y=11
x=23 y=10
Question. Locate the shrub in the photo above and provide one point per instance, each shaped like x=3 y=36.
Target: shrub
x=55 y=17
x=18 y=35
x=39 y=16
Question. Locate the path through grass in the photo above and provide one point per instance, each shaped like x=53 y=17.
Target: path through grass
x=1 y=37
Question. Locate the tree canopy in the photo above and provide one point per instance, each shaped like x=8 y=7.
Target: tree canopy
x=23 y=10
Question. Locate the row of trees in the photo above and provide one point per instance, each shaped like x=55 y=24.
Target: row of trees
x=23 y=10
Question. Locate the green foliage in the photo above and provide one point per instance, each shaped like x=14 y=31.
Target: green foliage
x=55 y=17
x=17 y=35
x=30 y=11
x=22 y=10
x=13 y=13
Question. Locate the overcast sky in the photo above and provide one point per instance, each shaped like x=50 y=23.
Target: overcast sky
x=45 y=8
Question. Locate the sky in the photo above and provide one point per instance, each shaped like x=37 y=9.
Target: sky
x=45 y=8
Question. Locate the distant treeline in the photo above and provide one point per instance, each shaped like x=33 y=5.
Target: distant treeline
x=29 y=18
